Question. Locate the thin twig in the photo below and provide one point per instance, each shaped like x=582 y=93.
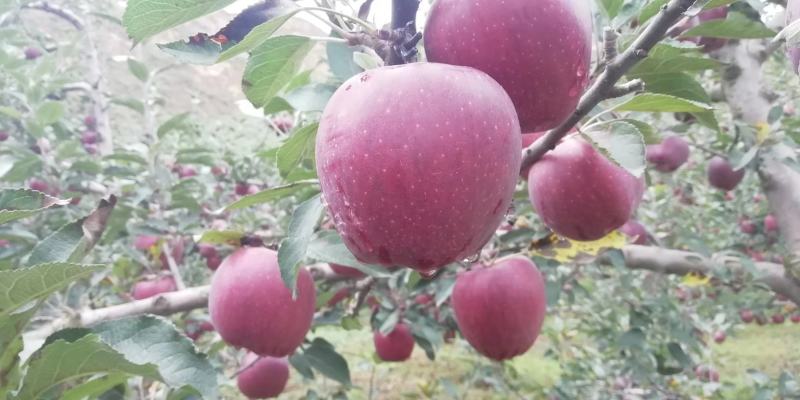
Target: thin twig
x=173 y=267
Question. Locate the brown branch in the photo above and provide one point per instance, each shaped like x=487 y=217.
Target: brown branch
x=60 y=12
x=603 y=86
x=678 y=262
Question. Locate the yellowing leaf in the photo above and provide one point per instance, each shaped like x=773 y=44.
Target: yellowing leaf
x=565 y=250
x=762 y=132
x=694 y=279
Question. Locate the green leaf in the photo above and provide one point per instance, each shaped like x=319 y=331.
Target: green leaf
x=678 y=84
x=138 y=69
x=203 y=53
x=322 y=356
x=222 y=237
x=126 y=157
x=63 y=360
x=390 y=322
x=340 y=60
x=679 y=63
x=650 y=10
x=301 y=364
x=262 y=33
x=23 y=168
x=350 y=323
x=649 y=133
x=271 y=65
x=328 y=247
x=293 y=248
x=131 y=103
x=632 y=338
x=95 y=387
x=621 y=143
x=155 y=340
x=736 y=26
x=10 y=112
x=678 y=354
x=654 y=102
x=49 y=113
x=20 y=286
x=145 y=18
x=311 y=97
x=23 y=203
x=171 y=124
x=611 y=7
x=298 y=147
x=11 y=344
x=271 y=194
x=72 y=242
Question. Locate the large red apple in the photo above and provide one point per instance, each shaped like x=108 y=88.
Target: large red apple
x=538 y=50
x=396 y=346
x=153 y=287
x=262 y=377
x=721 y=174
x=251 y=307
x=500 y=309
x=792 y=14
x=580 y=194
x=668 y=155
x=418 y=163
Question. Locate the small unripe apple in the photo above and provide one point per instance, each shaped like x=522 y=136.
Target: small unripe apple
x=251 y=307
x=770 y=223
x=262 y=377
x=746 y=315
x=89 y=137
x=32 y=53
x=145 y=242
x=345 y=271
x=422 y=191
x=778 y=319
x=500 y=309
x=721 y=174
x=396 y=346
x=580 y=194
x=719 y=336
x=747 y=226
x=539 y=52
x=4 y=136
x=668 y=155
x=153 y=287
x=635 y=232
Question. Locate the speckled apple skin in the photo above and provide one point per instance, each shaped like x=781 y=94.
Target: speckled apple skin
x=418 y=163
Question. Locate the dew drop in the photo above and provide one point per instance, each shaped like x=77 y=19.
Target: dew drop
x=473 y=258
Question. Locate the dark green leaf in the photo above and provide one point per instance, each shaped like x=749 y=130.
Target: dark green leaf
x=328 y=247
x=271 y=65
x=736 y=26
x=173 y=123
x=621 y=143
x=293 y=248
x=271 y=194
x=654 y=102
x=23 y=203
x=323 y=357
x=298 y=147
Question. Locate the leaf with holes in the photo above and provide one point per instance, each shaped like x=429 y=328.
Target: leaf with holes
x=23 y=203
x=145 y=18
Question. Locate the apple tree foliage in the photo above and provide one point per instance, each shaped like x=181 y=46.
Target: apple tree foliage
x=87 y=211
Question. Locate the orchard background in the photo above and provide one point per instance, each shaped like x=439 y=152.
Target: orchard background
x=143 y=142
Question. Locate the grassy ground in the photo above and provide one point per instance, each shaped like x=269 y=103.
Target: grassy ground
x=770 y=349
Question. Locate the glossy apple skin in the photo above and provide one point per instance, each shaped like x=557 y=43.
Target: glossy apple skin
x=668 y=155
x=251 y=307
x=263 y=377
x=580 y=194
x=396 y=346
x=539 y=51
x=635 y=231
x=500 y=309
x=154 y=287
x=345 y=271
x=793 y=13
x=721 y=174
x=418 y=163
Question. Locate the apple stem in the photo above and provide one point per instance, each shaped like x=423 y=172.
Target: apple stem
x=604 y=85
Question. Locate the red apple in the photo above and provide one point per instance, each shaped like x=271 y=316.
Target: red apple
x=396 y=346
x=262 y=377
x=39 y=185
x=90 y=121
x=153 y=287
x=4 y=243
x=242 y=188
x=90 y=148
x=746 y=315
x=778 y=319
x=719 y=336
x=539 y=51
x=721 y=174
x=795 y=318
x=347 y=272
x=755 y=255
x=206 y=250
x=500 y=309
x=337 y=297
x=195 y=329
x=145 y=242
x=710 y=43
x=32 y=53
x=580 y=194
x=219 y=170
x=423 y=299
x=4 y=136
x=635 y=232
x=770 y=223
x=747 y=226
x=186 y=171
x=251 y=307
x=89 y=137
x=668 y=155
x=213 y=262
x=422 y=191
x=284 y=123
